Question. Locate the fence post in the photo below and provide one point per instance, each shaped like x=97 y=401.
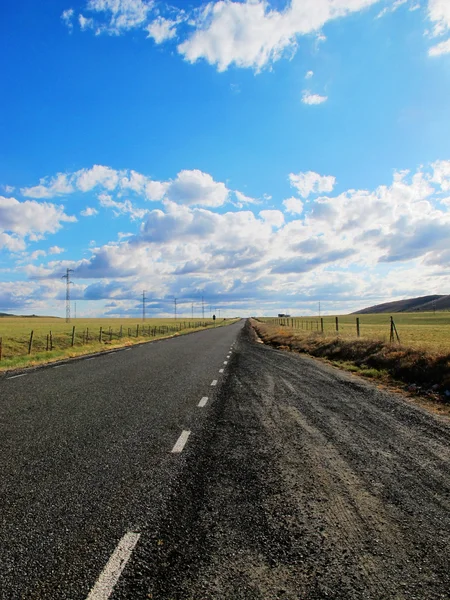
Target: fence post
x=73 y=335
x=30 y=343
x=100 y=337
x=137 y=330
x=393 y=330
x=337 y=324
x=48 y=339
x=110 y=334
x=121 y=331
x=321 y=324
x=358 y=333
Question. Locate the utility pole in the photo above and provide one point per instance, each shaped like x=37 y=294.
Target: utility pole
x=175 y=307
x=143 y=305
x=68 y=282
x=203 y=309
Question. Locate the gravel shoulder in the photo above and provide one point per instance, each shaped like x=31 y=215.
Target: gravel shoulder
x=303 y=483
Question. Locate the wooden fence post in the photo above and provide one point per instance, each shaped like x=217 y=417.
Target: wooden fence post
x=48 y=340
x=100 y=337
x=121 y=331
x=358 y=333
x=337 y=324
x=73 y=335
x=30 y=343
x=137 y=330
x=321 y=324
x=393 y=331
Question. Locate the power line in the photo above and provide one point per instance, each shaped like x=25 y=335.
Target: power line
x=68 y=282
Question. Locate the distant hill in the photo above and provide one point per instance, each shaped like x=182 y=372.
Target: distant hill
x=421 y=304
x=2 y=314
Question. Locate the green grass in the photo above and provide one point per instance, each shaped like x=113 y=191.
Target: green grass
x=422 y=331
x=15 y=335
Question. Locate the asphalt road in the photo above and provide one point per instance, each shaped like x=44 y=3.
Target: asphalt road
x=85 y=456
x=297 y=481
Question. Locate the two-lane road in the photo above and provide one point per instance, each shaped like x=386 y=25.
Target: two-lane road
x=85 y=456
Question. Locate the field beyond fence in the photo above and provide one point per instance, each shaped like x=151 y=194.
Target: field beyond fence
x=31 y=340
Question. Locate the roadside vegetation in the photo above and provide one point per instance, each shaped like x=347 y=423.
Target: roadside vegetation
x=425 y=368
x=30 y=341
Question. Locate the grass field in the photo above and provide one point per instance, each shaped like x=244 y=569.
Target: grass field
x=421 y=331
x=52 y=337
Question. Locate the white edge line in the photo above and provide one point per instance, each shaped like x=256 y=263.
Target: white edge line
x=214 y=382
x=108 y=578
x=15 y=376
x=181 y=442
x=203 y=402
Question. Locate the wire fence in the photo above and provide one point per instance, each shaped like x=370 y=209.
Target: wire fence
x=37 y=342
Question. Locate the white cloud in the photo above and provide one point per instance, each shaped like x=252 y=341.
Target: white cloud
x=196 y=188
x=122 y=14
x=162 y=29
x=8 y=189
x=441 y=174
x=56 y=186
x=56 y=250
x=85 y=22
x=67 y=17
x=252 y=34
x=439 y=49
x=37 y=254
x=439 y=14
x=274 y=218
x=293 y=206
x=87 y=179
x=89 y=211
x=119 y=208
x=29 y=219
x=309 y=74
x=242 y=199
x=311 y=183
x=392 y=8
x=312 y=99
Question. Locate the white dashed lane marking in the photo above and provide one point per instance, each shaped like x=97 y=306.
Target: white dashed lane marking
x=16 y=376
x=104 y=586
x=181 y=442
x=203 y=402
x=214 y=382
x=220 y=370
x=225 y=362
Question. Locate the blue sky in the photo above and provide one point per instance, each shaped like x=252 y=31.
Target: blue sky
x=264 y=155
